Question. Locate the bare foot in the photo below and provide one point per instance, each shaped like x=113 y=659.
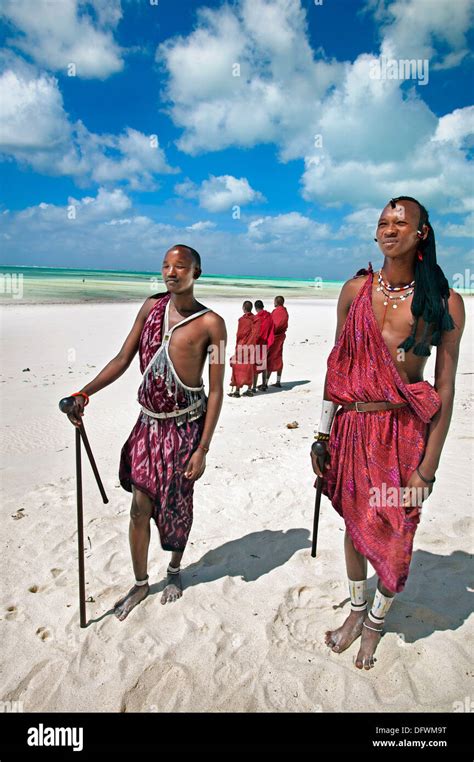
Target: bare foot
x=277 y=384
x=340 y=639
x=368 y=643
x=123 y=606
x=173 y=588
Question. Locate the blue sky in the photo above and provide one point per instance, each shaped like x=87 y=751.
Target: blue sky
x=265 y=133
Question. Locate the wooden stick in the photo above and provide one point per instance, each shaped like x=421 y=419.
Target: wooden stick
x=319 y=449
x=80 y=533
x=87 y=446
x=66 y=405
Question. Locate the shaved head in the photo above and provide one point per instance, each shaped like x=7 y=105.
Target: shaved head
x=403 y=210
x=247 y=306
x=182 y=248
x=279 y=301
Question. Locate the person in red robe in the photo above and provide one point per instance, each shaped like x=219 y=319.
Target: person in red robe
x=243 y=361
x=266 y=337
x=275 y=353
x=382 y=426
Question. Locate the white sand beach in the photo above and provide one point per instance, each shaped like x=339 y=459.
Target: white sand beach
x=248 y=633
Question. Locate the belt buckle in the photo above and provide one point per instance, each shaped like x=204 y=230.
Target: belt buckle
x=357 y=409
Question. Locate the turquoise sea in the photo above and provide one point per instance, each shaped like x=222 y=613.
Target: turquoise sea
x=32 y=285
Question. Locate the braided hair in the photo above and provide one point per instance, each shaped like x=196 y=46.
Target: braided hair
x=431 y=292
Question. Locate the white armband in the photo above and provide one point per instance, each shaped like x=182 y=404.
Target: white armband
x=328 y=412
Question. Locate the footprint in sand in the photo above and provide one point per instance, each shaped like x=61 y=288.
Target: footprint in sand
x=161 y=687
x=33 y=589
x=43 y=633
x=12 y=612
x=463 y=527
x=299 y=621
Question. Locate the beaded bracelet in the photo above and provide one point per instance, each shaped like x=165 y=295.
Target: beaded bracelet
x=206 y=449
x=320 y=437
x=81 y=394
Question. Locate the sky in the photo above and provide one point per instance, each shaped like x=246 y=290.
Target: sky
x=267 y=134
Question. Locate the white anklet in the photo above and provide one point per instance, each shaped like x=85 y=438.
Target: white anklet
x=140 y=582
x=173 y=569
x=374 y=629
x=380 y=607
x=358 y=593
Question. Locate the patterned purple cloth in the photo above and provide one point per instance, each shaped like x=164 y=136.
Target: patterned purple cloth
x=156 y=454
x=370 y=450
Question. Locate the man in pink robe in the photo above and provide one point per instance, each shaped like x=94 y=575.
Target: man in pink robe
x=275 y=353
x=379 y=452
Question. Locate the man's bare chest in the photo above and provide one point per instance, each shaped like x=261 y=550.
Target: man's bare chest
x=395 y=325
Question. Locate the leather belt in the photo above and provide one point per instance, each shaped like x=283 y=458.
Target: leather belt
x=368 y=407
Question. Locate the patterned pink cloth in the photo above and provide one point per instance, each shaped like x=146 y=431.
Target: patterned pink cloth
x=156 y=454
x=371 y=449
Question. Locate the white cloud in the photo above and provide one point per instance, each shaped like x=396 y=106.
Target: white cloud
x=465 y=230
x=220 y=193
x=287 y=226
x=410 y=29
x=36 y=131
x=78 y=212
x=379 y=139
x=187 y=189
x=139 y=157
x=366 y=118
x=204 y=225
x=456 y=127
x=268 y=41
x=32 y=115
x=361 y=224
x=437 y=173
x=56 y=33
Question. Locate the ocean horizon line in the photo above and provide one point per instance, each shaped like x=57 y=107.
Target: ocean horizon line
x=158 y=274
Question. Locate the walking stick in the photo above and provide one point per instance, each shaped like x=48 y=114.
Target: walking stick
x=66 y=405
x=318 y=449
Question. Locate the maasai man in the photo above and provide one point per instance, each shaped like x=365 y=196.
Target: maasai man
x=243 y=361
x=275 y=353
x=385 y=443
x=265 y=340
x=166 y=450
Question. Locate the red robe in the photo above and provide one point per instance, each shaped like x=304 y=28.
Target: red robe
x=378 y=450
x=266 y=337
x=243 y=361
x=275 y=353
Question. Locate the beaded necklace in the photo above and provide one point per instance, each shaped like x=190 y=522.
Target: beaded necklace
x=386 y=290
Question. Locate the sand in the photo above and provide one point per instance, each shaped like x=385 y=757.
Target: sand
x=248 y=634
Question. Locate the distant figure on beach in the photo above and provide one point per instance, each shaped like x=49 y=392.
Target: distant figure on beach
x=265 y=340
x=385 y=443
x=243 y=361
x=280 y=327
x=166 y=450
